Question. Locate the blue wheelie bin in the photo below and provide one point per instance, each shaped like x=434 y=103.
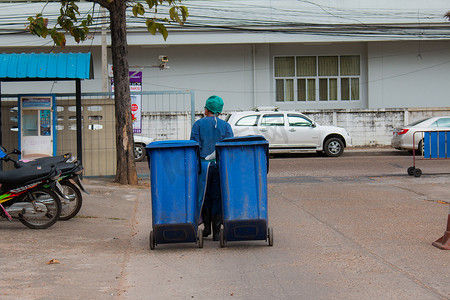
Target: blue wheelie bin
x=174 y=168
x=243 y=166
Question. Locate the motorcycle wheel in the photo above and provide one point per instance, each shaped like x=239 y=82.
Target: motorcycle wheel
x=70 y=208
x=52 y=203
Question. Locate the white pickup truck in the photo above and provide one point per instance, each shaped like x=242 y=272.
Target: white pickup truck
x=139 y=146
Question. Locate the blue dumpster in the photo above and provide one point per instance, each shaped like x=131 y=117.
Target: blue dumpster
x=174 y=168
x=243 y=166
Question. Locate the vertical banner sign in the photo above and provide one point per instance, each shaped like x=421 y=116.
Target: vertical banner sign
x=136 y=100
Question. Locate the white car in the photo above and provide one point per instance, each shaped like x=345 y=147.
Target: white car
x=139 y=146
x=403 y=136
x=290 y=130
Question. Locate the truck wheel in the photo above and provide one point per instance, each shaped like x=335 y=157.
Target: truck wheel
x=139 y=152
x=333 y=147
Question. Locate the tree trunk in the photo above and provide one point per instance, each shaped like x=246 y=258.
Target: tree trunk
x=126 y=166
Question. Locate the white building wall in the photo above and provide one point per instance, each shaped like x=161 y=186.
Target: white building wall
x=224 y=70
x=401 y=74
x=408 y=74
x=262 y=76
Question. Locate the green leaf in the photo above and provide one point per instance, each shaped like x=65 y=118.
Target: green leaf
x=71 y=15
x=162 y=29
x=151 y=26
x=177 y=19
x=40 y=31
x=138 y=9
x=134 y=10
x=58 y=38
x=38 y=26
x=69 y=24
x=80 y=34
x=152 y=3
x=172 y=13
x=184 y=13
x=74 y=7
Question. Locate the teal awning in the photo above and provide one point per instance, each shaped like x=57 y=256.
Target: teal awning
x=45 y=66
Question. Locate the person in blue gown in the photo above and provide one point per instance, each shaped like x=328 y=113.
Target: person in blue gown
x=207 y=132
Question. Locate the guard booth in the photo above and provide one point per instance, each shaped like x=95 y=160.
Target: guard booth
x=37 y=113
x=37 y=126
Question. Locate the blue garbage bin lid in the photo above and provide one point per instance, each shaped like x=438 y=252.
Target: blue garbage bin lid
x=243 y=140
x=172 y=144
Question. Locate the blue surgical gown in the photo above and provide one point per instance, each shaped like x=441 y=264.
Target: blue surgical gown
x=208 y=131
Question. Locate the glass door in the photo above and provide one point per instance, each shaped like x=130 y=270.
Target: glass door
x=36 y=127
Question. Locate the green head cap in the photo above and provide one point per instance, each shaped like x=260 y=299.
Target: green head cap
x=214 y=104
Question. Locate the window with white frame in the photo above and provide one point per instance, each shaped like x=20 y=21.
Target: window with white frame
x=317 y=78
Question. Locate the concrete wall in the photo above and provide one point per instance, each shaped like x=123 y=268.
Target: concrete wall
x=373 y=127
x=367 y=127
x=166 y=126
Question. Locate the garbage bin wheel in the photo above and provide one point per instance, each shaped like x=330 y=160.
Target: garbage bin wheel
x=222 y=238
x=152 y=241
x=411 y=171
x=417 y=172
x=270 y=235
x=200 y=237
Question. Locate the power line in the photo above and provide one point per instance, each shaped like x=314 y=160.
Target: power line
x=251 y=17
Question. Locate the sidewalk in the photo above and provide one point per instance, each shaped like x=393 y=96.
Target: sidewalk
x=386 y=150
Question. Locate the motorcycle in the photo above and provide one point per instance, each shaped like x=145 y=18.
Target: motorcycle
x=71 y=171
x=28 y=194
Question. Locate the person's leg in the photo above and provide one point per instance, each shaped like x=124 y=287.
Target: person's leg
x=206 y=216
x=216 y=222
x=215 y=196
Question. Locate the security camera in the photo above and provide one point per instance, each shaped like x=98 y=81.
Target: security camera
x=164 y=58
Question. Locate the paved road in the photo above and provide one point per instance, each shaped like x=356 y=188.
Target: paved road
x=353 y=227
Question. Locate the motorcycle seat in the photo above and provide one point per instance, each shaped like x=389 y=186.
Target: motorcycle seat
x=26 y=175
x=65 y=168
x=51 y=160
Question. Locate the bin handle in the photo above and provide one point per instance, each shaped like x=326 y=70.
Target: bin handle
x=267 y=157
